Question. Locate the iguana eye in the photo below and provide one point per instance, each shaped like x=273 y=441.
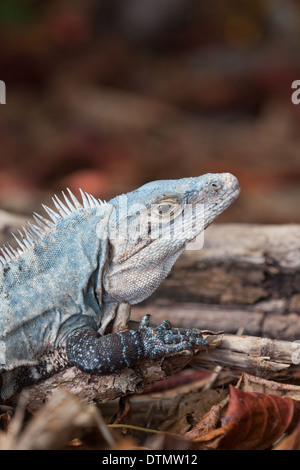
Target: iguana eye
x=167 y=208
x=164 y=209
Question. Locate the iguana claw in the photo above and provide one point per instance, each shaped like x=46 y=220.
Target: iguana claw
x=165 y=340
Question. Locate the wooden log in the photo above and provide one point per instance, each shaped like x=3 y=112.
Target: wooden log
x=239 y=264
x=235 y=319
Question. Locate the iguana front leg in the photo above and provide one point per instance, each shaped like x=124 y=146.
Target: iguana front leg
x=113 y=352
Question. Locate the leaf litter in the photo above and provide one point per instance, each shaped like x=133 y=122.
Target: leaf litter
x=253 y=414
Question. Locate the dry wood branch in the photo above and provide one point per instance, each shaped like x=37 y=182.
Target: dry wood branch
x=261 y=356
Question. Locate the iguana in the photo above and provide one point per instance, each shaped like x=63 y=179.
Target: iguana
x=61 y=287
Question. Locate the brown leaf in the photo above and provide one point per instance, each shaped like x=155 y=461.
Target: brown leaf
x=256 y=420
x=208 y=422
x=252 y=421
x=188 y=409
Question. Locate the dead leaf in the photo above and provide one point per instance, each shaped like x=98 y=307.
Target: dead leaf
x=189 y=408
x=208 y=422
x=252 y=421
x=256 y=420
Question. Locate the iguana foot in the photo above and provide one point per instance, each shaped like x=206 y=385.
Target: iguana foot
x=164 y=340
x=110 y=353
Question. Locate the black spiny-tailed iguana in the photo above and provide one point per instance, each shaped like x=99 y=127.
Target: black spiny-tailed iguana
x=61 y=287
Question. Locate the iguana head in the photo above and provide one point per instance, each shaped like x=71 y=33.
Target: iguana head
x=150 y=227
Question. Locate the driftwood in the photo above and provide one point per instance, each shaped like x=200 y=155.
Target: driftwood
x=245 y=279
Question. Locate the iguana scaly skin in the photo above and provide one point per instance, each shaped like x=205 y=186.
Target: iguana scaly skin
x=63 y=284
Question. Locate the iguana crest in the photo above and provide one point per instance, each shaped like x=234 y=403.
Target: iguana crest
x=33 y=234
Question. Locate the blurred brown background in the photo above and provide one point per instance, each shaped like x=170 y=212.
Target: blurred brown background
x=109 y=94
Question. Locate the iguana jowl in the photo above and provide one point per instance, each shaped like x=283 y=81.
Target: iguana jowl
x=62 y=286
